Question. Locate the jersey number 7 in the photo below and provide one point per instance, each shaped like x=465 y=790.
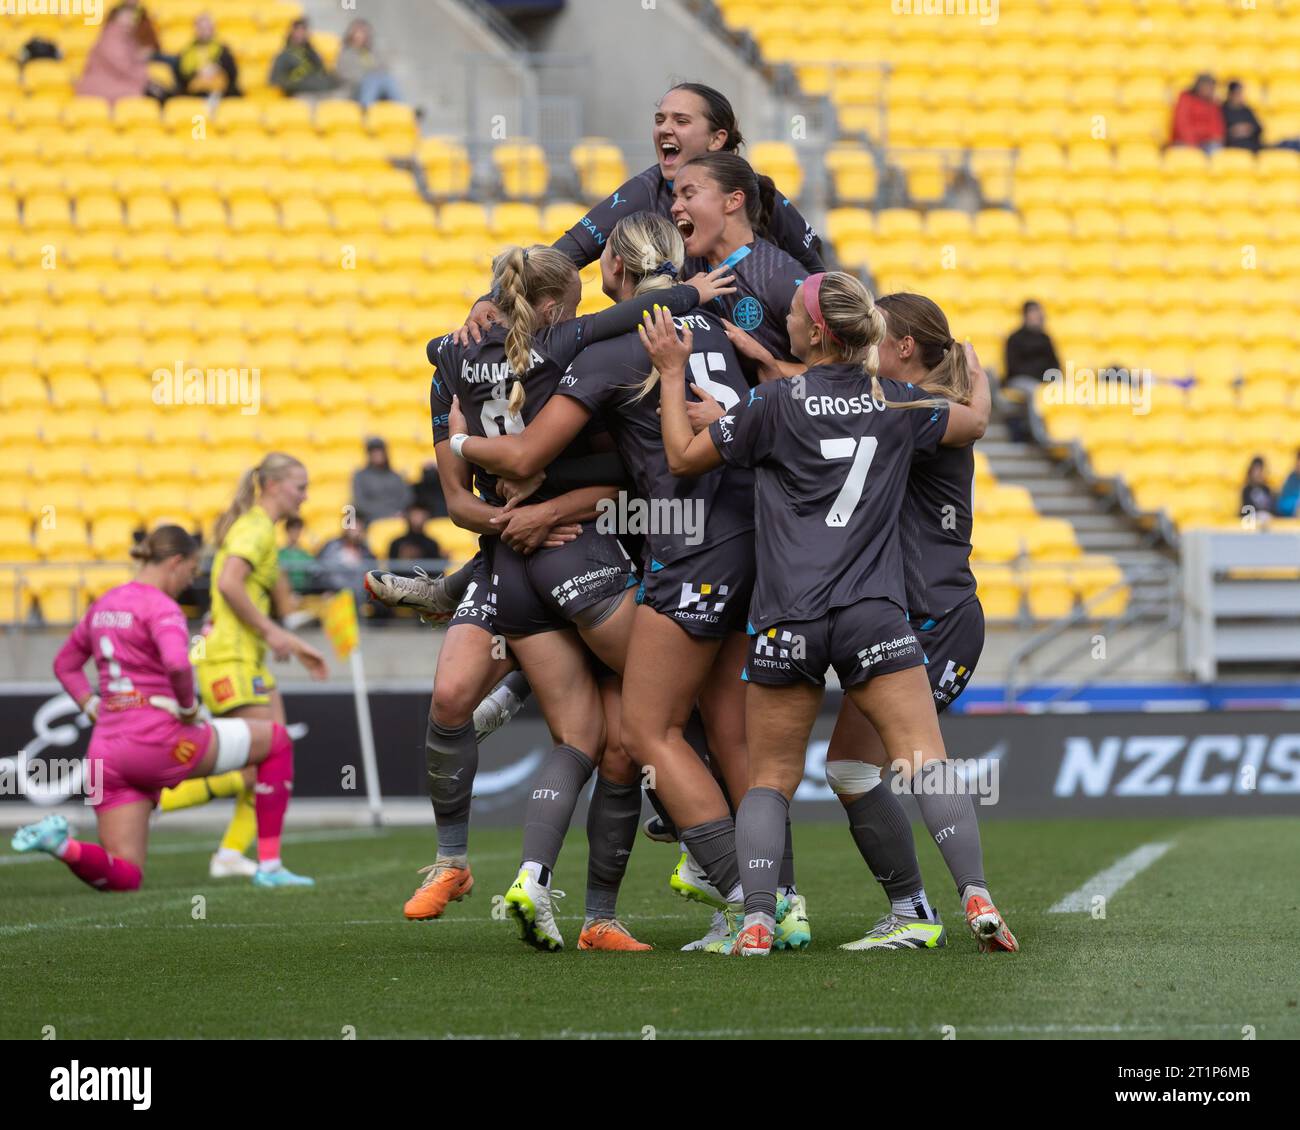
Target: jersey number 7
x=862 y=452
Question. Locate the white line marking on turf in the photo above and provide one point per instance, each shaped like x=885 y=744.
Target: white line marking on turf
x=1111 y=881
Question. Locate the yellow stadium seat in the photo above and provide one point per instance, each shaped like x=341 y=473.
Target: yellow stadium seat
x=599 y=165
x=395 y=127
x=1048 y=592
x=47 y=77
x=522 y=168
x=338 y=116
x=999 y=591
x=136 y=114
x=778 y=160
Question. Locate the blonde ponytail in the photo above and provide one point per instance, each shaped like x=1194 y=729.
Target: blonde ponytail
x=251 y=483
x=857 y=326
x=522 y=278
x=652 y=251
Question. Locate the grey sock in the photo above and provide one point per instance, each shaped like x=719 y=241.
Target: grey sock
x=553 y=798
x=713 y=846
x=518 y=683
x=883 y=834
x=451 y=761
x=458 y=582
x=612 y=819
x=760 y=834
x=949 y=814
x=786 y=881
x=695 y=735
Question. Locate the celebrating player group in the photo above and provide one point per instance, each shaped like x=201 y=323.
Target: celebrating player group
x=804 y=454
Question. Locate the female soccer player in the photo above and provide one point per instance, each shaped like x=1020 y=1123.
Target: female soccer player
x=944 y=611
x=688 y=639
x=502 y=382
x=847 y=610
x=690 y=120
x=146 y=735
x=233 y=677
x=720 y=211
x=945 y=614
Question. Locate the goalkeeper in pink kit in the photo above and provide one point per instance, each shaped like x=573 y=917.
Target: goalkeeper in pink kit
x=147 y=735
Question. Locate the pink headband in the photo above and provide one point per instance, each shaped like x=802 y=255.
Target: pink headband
x=812 y=286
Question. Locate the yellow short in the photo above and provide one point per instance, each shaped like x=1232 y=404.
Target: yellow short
x=228 y=686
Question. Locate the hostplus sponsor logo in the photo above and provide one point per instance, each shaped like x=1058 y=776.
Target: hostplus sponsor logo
x=776 y=647
x=630 y=514
x=886 y=650
x=706 y=603
x=952 y=682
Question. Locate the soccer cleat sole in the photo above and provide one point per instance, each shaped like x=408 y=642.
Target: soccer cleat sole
x=525 y=915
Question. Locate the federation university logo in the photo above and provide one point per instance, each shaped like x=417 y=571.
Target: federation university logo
x=748 y=314
x=700 y=599
x=886 y=649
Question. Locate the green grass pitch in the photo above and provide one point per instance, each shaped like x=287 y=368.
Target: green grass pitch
x=1200 y=945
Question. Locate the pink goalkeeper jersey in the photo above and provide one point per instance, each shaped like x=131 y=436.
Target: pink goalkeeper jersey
x=140 y=643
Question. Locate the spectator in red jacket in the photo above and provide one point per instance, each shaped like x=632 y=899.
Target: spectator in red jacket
x=1197 y=118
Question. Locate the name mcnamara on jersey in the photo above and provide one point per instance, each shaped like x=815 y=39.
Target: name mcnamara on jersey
x=494 y=372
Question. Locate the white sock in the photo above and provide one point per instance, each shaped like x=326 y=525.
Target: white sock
x=535 y=869
x=736 y=894
x=229 y=855
x=974 y=890
x=913 y=905
x=761 y=920
x=61 y=851
x=270 y=864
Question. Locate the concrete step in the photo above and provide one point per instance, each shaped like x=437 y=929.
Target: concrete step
x=1078 y=508
x=1109 y=541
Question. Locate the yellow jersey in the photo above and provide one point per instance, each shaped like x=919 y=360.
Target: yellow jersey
x=252 y=537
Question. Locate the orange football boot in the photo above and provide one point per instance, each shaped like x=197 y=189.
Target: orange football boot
x=443 y=883
x=609 y=934
x=752 y=941
x=988 y=927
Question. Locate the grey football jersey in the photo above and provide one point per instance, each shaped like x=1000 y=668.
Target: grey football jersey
x=482 y=378
x=934 y=531
x=695 y=513
x=832 y=465
x=766 y=279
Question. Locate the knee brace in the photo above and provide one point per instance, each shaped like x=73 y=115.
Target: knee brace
x=848 y=778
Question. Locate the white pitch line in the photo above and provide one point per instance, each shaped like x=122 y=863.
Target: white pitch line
x=993 y=1030
x=1111 y=881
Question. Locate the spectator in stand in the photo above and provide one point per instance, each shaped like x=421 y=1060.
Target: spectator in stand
x=428 y=491
x=146 y=35
x=1242 y=128
x=298 y=68
x=118 y=65
x=377 y=490
x=206 y=66
x=415 y=544
x=1288 y=501
x=1030 y=353
x=1256 y=497
x=362 y=70
x=343 y=561
x=1197 y=118
x=295 y=562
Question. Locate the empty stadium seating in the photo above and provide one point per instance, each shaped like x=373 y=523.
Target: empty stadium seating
x=1157 y=259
